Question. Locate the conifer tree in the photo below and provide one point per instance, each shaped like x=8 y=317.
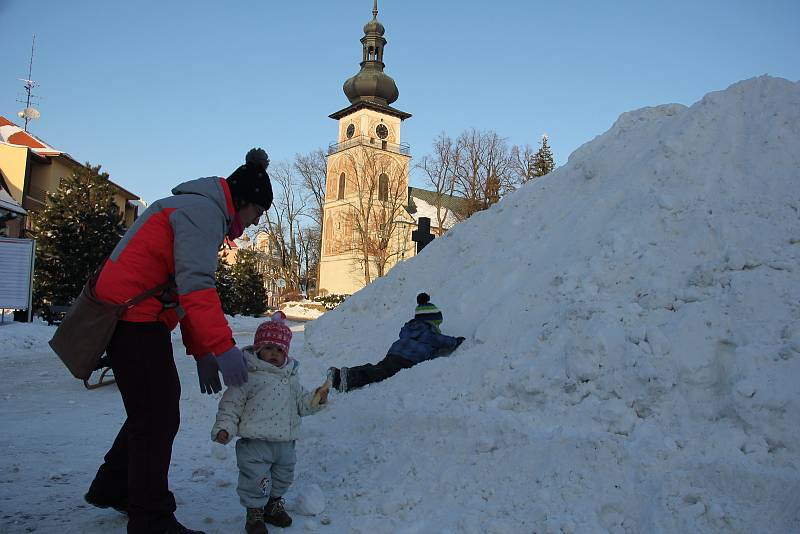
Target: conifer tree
x=74 y=233
x=543 y=159
x=224 y=284
x=241 y=285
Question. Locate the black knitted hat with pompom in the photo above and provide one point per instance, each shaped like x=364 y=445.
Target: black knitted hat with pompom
x=250 y=182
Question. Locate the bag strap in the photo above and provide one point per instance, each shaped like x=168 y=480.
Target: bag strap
x=130 y=303
x=133 y=301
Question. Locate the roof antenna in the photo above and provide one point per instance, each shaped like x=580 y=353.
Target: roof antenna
x=30 y=113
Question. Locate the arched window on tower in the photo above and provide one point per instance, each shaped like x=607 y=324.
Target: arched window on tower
x=383 y=187
x=341 y=187
x=371 y=53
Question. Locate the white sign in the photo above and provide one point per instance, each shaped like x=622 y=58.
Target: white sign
x=16 y=273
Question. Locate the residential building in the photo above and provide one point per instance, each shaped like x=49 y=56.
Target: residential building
x=31 y=168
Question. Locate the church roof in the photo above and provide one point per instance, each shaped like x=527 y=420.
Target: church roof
x=361 y=104
x=422 y=203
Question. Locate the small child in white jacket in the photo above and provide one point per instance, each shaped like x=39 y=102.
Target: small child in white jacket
x=265 y=413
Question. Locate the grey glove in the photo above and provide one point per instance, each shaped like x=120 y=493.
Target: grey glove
x=208 y=372
x=233 y=367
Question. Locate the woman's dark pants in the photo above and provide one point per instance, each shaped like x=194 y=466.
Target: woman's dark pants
x=137 y=466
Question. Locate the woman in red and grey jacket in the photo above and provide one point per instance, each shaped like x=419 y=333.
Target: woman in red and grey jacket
x=176 y=238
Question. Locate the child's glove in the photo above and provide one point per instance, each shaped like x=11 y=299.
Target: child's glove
x=320 y=394
x=222 y=437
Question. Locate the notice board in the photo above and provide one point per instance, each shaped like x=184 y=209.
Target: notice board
x=16 y=272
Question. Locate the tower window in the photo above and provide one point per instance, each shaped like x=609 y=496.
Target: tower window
x=383 y=187
x=341 y=186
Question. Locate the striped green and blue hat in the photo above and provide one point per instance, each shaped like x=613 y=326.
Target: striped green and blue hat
x=427 y=310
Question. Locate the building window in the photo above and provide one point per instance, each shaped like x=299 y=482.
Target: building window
x=383 y=187
x=341 y=187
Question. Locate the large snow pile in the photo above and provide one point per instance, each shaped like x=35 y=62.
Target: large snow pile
x=633 y=352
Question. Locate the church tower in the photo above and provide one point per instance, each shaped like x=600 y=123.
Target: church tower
x=367 y=171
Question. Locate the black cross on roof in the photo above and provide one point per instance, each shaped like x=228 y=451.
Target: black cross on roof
x=422 y=235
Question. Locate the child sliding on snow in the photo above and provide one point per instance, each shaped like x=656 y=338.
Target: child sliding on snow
x=265 y=412
x=420 y=340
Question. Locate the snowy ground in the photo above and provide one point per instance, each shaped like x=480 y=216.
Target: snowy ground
x=57 y=433
x=631 y=365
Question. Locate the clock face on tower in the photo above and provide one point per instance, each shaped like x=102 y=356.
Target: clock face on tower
x=382 y=131
x=351 y=129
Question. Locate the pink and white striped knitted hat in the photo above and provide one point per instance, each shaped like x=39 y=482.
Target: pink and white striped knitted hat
x=274 y=331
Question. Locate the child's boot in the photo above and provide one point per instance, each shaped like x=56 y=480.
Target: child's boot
x=275 y=513
x=255 y=522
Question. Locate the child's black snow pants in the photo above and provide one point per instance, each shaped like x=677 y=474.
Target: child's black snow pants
x=137 y=466
x=362 y=375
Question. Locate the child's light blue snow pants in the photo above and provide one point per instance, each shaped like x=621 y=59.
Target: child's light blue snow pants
x=266 y=469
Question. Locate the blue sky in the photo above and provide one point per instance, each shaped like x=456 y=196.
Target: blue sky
x=163 y=91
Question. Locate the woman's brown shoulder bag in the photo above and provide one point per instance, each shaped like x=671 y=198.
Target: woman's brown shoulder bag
x=85 y=333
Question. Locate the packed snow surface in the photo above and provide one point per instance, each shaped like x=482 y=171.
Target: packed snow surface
x=631 y=365
x=633 y=353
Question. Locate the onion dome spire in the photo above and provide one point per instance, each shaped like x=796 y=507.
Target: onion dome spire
x=371 y=83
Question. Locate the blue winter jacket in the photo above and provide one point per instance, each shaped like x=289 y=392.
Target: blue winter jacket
x=419 y=341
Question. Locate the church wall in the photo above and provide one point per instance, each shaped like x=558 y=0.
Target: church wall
x=340 y=275
x=340 y=268
x=365 y=122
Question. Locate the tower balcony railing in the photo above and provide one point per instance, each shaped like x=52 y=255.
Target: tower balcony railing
x=402 y=148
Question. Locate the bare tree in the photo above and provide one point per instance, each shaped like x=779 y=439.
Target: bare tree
x=283 y=222
x=522 y=163
x=440 y=168
x=483 y=172
x=309 y=253
x=312 y=168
